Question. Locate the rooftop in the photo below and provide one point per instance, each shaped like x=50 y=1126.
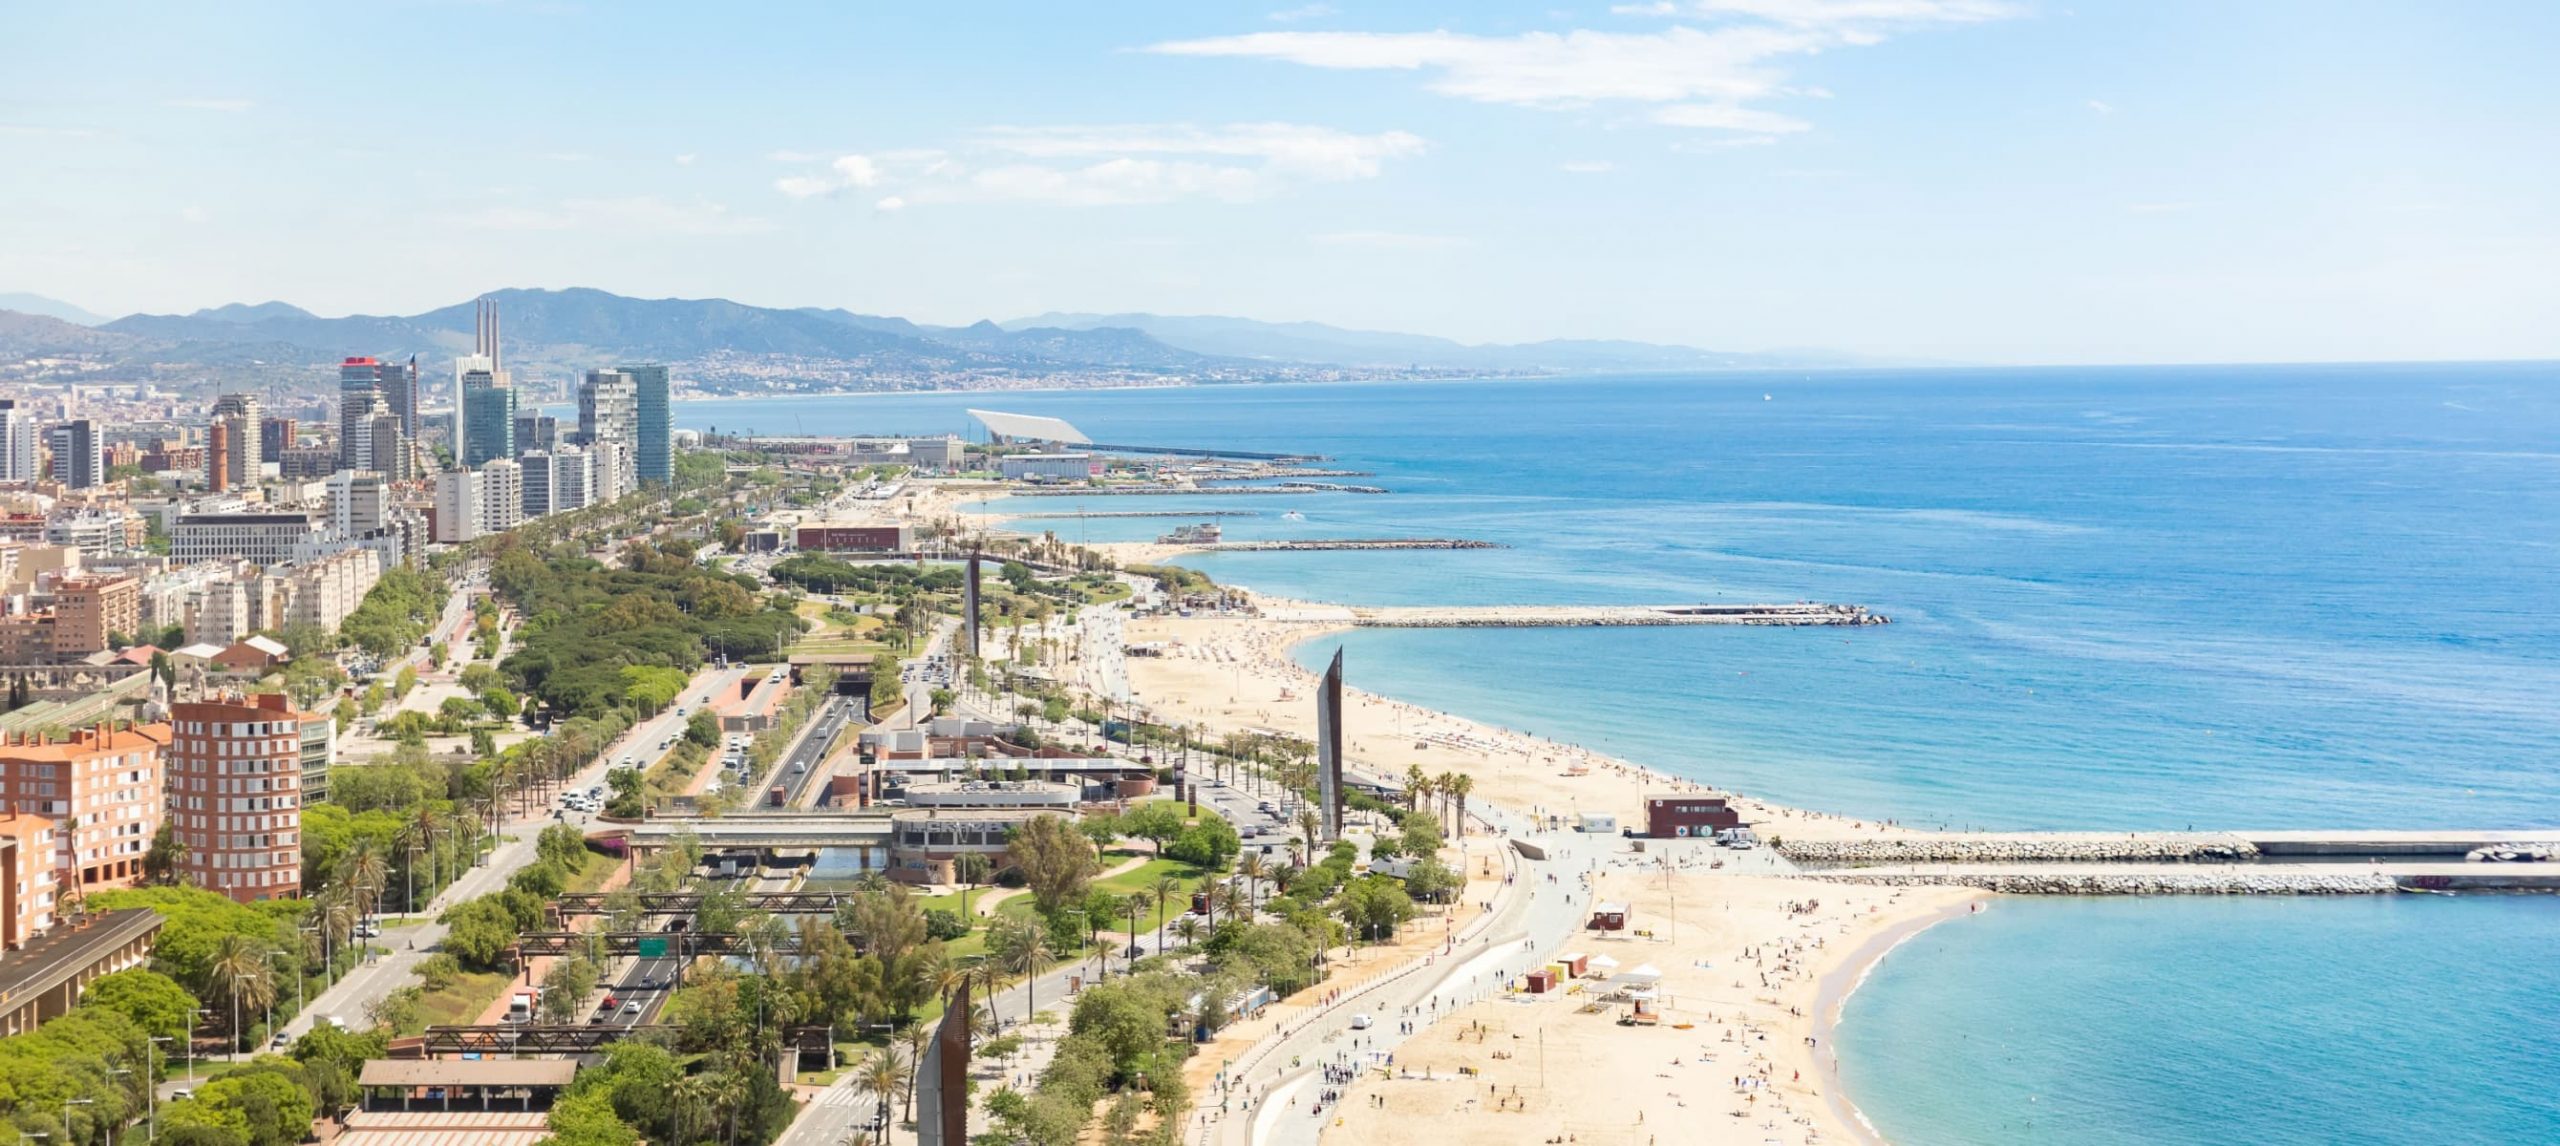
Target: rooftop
x=1032 y=427
x=468 y=1072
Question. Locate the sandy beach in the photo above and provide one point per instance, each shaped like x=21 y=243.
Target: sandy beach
x=1754 y=964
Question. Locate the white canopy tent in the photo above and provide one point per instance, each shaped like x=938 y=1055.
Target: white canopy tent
x=1643 y=975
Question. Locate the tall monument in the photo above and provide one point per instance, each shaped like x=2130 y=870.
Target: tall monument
x=969 y=607
x=1329 y=746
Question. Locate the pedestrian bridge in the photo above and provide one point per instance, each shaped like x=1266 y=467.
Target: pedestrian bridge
x=779 y=830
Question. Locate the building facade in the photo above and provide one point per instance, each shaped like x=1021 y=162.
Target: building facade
x=488 y=417
x=265 y=538
x=17 y=442
x=359 y=399
x=89 y=610
x=235 y=792
x=100 y=786
x=654 y=441
x=79 y=456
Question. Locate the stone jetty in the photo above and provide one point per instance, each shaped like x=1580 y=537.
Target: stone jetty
x=1101 y=513
x=2039 y=847
x=1323 y=544
x=2238 y=881
x=1191 y=491
x=1605 y=616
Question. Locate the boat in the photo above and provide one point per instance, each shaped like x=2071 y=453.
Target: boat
x=1293 y=515
x=1205 y=533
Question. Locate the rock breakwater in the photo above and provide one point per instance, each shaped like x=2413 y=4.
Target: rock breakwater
x=2134 y=883
x=2070 y=848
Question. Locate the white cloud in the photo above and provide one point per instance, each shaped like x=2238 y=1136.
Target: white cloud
x=2102 y=107
x=1116 y=164
x=1657 y=8
x=1587 y=166
x=686 y=159
x=892 y=203
x=233 y=106
x=1303 y=12
x=1708 y=69
x=192 y=214
x=1388 y=240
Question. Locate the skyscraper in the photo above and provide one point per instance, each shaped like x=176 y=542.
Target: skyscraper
x=488 y=418
x=246 y=438
x=17 y=442
x=609 y=426
x=359 y=398
x=275 y=436
x=390 y=447
x=400 y=393
x=78 y=459
x=483 y=392
x=536 y=431
x=655 y=457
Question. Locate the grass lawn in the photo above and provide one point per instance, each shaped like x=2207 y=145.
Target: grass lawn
x=592 y=872
x=1139 y=878
x=463 y=1000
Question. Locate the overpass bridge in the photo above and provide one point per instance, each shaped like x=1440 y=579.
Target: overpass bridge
x=648 y=944
x=686 y=903
x=780 y=829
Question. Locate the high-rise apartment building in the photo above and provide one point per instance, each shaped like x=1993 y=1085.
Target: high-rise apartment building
x=275 y=436
x=235 y=792
x=501 y=495
x=17 y=442
x=244 y=442
x=29 y=889
x=609 y=409
x=536 y=430
x=358 y=503
x=472 y=503
x=654 y=439
x=79 y=461
x=100 y=786
x=87 y=611
x=390 y=448
x=556 y=481
x=359 y=399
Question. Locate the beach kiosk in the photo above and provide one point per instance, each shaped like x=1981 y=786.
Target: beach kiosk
x=1608 y=916
x=1576 y=964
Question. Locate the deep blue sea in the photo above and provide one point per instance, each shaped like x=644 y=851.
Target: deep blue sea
x=2135 y=597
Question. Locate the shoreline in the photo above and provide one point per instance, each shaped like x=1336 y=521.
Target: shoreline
x=1831 y=999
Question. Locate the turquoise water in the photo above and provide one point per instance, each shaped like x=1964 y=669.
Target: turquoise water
x=2119 y=1022
x=2280 y=597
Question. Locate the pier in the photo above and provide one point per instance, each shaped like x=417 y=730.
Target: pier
x=1329 y=544
x=2316 y=862
x=1103 y=513
x=1602 y=616
x=1191 y=491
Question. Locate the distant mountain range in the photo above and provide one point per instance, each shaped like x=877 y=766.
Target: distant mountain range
x=1316 y=342
x=744 y=348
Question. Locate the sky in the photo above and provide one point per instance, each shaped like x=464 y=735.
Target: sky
x=1998 y=181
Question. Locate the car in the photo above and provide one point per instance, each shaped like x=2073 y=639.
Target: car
x=631 y=1009
x=611 y=1002
x=649 y=983
x=182 y=1092
x=598 y=1018
x=279 y=1041
x=1361 y=1022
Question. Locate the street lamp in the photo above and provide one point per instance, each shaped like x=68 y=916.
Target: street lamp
x=67 y=1104
x=150 y=1057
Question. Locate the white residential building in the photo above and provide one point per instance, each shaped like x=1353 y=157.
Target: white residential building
x=264 y=538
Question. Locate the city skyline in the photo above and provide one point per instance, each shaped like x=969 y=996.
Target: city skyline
x=1951 y=179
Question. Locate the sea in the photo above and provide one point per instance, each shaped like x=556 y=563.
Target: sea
x=2155 y=597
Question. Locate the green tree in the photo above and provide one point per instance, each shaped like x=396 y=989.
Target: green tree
x=1156 y=821
x=155 y=1002
x=1055 y=863
x=702 y=728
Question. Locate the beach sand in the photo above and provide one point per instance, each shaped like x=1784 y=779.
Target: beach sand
x=1747 y=964
x=1233 y=673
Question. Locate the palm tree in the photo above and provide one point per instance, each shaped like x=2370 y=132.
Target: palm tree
x=883 y=1075
x=1417 y=784
x=365 y=871
x=1188 y=927
x=1025 y=951
x=1251 y=867
x=1446 y=785
x=1209 y=899
x=1310 y=825
x=971 y=869
x=1165 y=886
x=1459 y=786
x=1282 y=875
x=240 y=969
x=1133 y=907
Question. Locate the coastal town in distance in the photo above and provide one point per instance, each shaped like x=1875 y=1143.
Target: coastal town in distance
x=1658 y=573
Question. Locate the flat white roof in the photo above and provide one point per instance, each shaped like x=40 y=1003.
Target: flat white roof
x=1032 y=426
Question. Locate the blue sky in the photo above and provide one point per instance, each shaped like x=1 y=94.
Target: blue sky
x=1981 y=180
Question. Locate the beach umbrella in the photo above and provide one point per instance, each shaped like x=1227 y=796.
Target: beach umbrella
x=1603 y=963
